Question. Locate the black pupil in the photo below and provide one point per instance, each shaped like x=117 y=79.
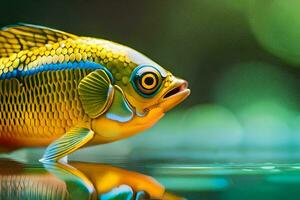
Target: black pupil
x=149 y=80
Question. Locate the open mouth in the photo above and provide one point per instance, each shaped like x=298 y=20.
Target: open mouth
x=176 y=90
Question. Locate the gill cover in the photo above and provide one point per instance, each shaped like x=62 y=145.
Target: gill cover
x=119 y=110
x=98 y=96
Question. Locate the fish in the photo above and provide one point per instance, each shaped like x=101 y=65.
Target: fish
x=77 y=180
x=63 y=91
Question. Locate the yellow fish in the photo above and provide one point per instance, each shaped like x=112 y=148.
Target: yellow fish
x=66 y=91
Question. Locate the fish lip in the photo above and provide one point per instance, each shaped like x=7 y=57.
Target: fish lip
x=175 y=95
x=167 y=101
x=177 y=88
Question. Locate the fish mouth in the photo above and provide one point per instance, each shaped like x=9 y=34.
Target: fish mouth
x=176 y=94
x=175 y=90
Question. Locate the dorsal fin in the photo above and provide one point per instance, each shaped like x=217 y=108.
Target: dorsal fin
x=15 y=38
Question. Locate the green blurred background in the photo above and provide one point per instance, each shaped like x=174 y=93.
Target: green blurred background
x=240 y=58
x=242 y=61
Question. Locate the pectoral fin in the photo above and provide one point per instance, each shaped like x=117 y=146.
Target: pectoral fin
x=95 y=93
x=68 y=143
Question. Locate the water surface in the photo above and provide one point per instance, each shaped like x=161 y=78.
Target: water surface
x=194 y=175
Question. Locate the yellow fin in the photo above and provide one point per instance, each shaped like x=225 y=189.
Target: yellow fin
x=68 y=143
x=15 y=38
x=95 y=93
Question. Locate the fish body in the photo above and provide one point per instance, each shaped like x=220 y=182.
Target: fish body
x=65 y=91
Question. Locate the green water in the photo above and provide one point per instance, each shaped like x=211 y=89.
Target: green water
x=199 y=175
x=231 y=181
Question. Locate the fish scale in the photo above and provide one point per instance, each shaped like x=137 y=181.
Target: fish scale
x=33 y=187
x=68 y=51
x=42 y=105
x=38 y=84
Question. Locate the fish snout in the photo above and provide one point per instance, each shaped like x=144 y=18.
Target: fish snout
x=177 y=92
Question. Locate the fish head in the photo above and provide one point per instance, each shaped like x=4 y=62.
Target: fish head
x=151 y=86
x=148 y=89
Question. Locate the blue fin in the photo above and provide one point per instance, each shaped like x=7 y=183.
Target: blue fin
x=123 y=192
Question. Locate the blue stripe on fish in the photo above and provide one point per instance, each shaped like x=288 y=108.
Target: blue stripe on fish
x=16 y=73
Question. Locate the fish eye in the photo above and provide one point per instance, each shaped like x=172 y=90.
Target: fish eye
x=146 y=80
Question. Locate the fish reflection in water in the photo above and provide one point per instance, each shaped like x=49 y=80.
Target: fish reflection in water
x=76 y=180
